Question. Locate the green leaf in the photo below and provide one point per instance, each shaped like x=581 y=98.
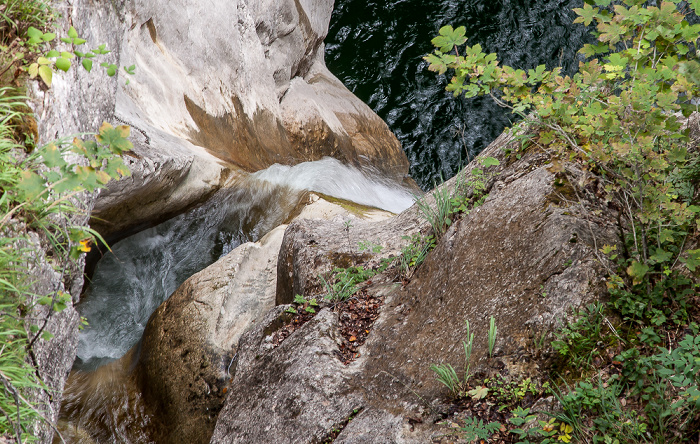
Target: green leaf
x=52 y=156
x=637 y=271
x=115 y=168
x=31 y=185
x=46 y=74
x=33 y=70
x=490 y=161
x=48 y=36
x=677 y=154
x=115 y=138
x=693 y=260
x=437 y=63
x=695 y=4
x=34 y=34
x=449 y=38
x=660 y=256
x=70 y=182
x=72 y=33
x=63 y=64
x=87 y=64
x=102 y=49
x=585 y=15
x=52 y=53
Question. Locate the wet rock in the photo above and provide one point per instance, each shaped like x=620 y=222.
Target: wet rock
x=190 y=341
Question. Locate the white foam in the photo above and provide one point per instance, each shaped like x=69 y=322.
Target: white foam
x=331 y=177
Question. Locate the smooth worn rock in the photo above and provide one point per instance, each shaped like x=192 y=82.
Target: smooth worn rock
x=526 y=257
x=244 y=84
x=187 y=353
x=308 y=390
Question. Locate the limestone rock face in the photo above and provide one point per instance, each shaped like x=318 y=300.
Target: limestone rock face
x=78 y=102
x=230 y=83
x=188 y=351
x=526 y=256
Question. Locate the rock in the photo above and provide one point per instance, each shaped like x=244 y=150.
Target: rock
x=187 y=355
x=78 y=102
x=245 y=84
x=313 y=247
x=190 y=340
x=168 y=176
x=309 y=388
x=526 y=256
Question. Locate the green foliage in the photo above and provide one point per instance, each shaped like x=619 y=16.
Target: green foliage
x=438 y=215
x=55 y=60
x=447 y=375
x=343 y=281
x=584 y=339
x=307 y=305
x=414 y=253
x=508 y=393
x=619 y=118
x=466 y=195
x=27 y=43
x=475 y=429
x=38 y=185
x=370 y=247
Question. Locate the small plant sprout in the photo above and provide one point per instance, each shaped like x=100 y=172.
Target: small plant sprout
x=493 y=331
x=467 y=348
x=447 y=375
x=375 y=248
x=303 y=303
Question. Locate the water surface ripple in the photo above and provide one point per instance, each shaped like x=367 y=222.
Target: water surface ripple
x=376 y=47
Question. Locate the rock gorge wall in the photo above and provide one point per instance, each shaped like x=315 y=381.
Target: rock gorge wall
x=78 y=102
x=526 y=257
x=220 y=89
x=225 y=86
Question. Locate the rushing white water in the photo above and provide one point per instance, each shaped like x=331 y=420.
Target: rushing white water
x=330 y=176
x=141 y=271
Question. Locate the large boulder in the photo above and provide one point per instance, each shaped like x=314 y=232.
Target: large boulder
x=234 y=83
x=189 y=348
x=525 y=257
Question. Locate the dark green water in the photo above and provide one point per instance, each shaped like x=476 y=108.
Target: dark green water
x=376 y=47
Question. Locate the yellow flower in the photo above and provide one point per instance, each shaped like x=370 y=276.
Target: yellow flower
x=84 y=245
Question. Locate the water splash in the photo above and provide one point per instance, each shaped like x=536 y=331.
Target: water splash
x=333 y=178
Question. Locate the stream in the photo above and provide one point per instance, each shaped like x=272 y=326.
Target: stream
x=375 y=47
x=141 y=271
